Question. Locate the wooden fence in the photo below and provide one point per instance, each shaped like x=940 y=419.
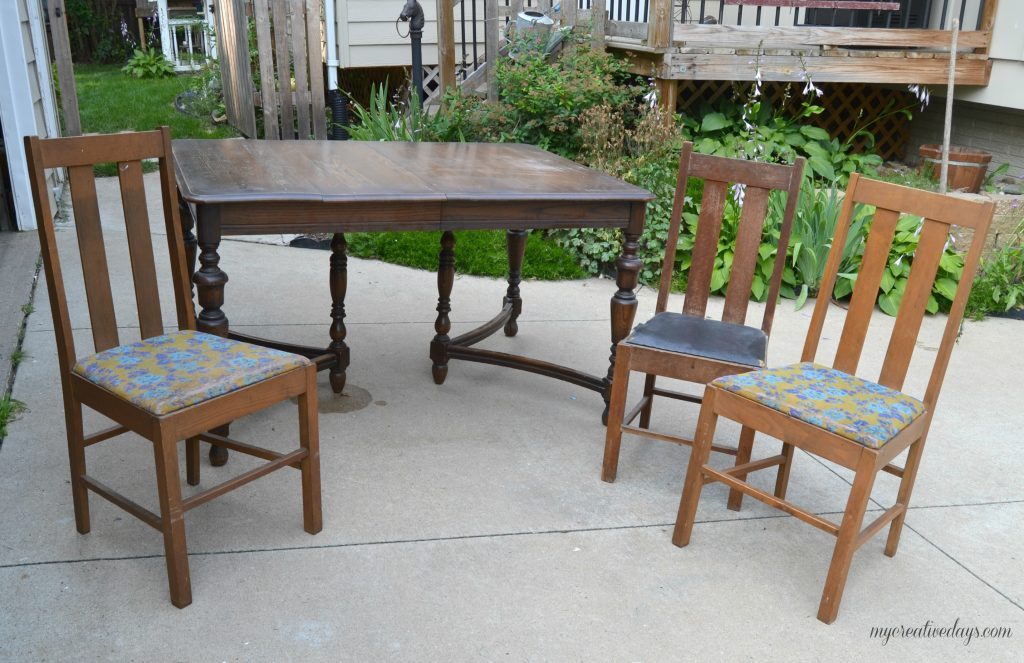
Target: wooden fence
x=289 y=44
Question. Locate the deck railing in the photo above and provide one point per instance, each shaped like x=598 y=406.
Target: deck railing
x=905 y=14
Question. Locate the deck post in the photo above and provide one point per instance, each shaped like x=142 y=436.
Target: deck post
x=659 y=27
x=668 y=97
x=597 y=17
x=986 y=22
x=491 y=47
x=568 y=13
x=446 y=44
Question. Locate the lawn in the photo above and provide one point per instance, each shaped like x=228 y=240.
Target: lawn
x=477 y=252
x=111 y=101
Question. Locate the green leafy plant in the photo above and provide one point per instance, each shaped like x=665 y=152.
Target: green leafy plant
x=9 y=411
x=391 y=120
x=814 y=227
x=999 y=286
x=546 y=97
x=897 y=271
x=148 y=64
x=993 y=176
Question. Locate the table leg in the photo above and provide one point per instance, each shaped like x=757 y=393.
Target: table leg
x=209 y=282
x=516 y=243
x=623 y=306
x=188 y=223
x=445 y=280
x=339 y=285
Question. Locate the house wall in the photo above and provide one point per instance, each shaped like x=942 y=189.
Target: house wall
x=989 y=118
x=26 y=95
x=367 y=36
x=980 y=126
x=1006 y=87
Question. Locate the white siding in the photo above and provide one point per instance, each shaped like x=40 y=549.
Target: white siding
x=1006 y=87
x=26 y=96
x=367 y=35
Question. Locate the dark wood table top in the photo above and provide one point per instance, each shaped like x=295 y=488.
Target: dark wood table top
x=228 y=171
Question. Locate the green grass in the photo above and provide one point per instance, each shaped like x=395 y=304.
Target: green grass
x=9 y=411
x=111 y=101
x=477 y=252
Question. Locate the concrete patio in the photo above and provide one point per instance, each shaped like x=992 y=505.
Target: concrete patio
x=467 y=521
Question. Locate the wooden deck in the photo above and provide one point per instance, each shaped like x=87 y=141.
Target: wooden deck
x=693 y=51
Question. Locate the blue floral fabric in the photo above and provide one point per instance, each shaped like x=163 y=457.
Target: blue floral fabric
x=857 y=409
x=166 y=373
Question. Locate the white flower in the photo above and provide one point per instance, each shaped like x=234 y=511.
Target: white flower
x=651 y=99
x=738 y=192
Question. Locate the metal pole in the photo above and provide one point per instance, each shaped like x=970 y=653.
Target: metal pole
x=413 y=13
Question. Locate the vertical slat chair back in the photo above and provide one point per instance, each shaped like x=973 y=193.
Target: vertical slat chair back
x=288 y=39
x=939 y=213
x=79 y=154
x=720 y=174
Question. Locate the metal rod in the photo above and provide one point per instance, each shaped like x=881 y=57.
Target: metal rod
x=462 y=23
x=476 y=55
x=942 y=21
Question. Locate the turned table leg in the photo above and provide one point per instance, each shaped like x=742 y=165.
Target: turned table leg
x=623 y=306
x=339 y=285
x=209 y=282
x=445 y=280
x=516 y=243
x=188 y=222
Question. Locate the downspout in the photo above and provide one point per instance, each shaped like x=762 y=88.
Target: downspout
x=337 y=100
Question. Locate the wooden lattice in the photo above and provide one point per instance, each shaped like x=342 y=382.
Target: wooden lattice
x=848 y=107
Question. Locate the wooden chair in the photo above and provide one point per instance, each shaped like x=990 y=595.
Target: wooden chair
x=829 y=412
x=168 y=386
x=686 y=345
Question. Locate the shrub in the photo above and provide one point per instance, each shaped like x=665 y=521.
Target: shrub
x=547 y=97
x=999 y=286
x=148 y=64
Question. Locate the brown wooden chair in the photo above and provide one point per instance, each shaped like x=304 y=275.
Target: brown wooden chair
x=687 y=346
x=829 y=412
x=166 y=387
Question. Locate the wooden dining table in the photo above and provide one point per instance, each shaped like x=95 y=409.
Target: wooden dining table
x=246 y=187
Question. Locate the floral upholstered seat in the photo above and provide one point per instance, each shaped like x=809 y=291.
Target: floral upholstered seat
x=166 y=373
x=859 y=410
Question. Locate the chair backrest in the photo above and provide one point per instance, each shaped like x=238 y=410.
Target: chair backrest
x=939 y=213
x=79 y=154
x=758 y=181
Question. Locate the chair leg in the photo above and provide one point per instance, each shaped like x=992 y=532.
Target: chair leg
x=743 y=451
x=645 y=413
x=172 y=521
x=903 y=497
x=309 y=439
x=616 y=409
x=694 y=482
x=846 y=541
x=76 y=457
x=782 y=478
x=192 y=461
